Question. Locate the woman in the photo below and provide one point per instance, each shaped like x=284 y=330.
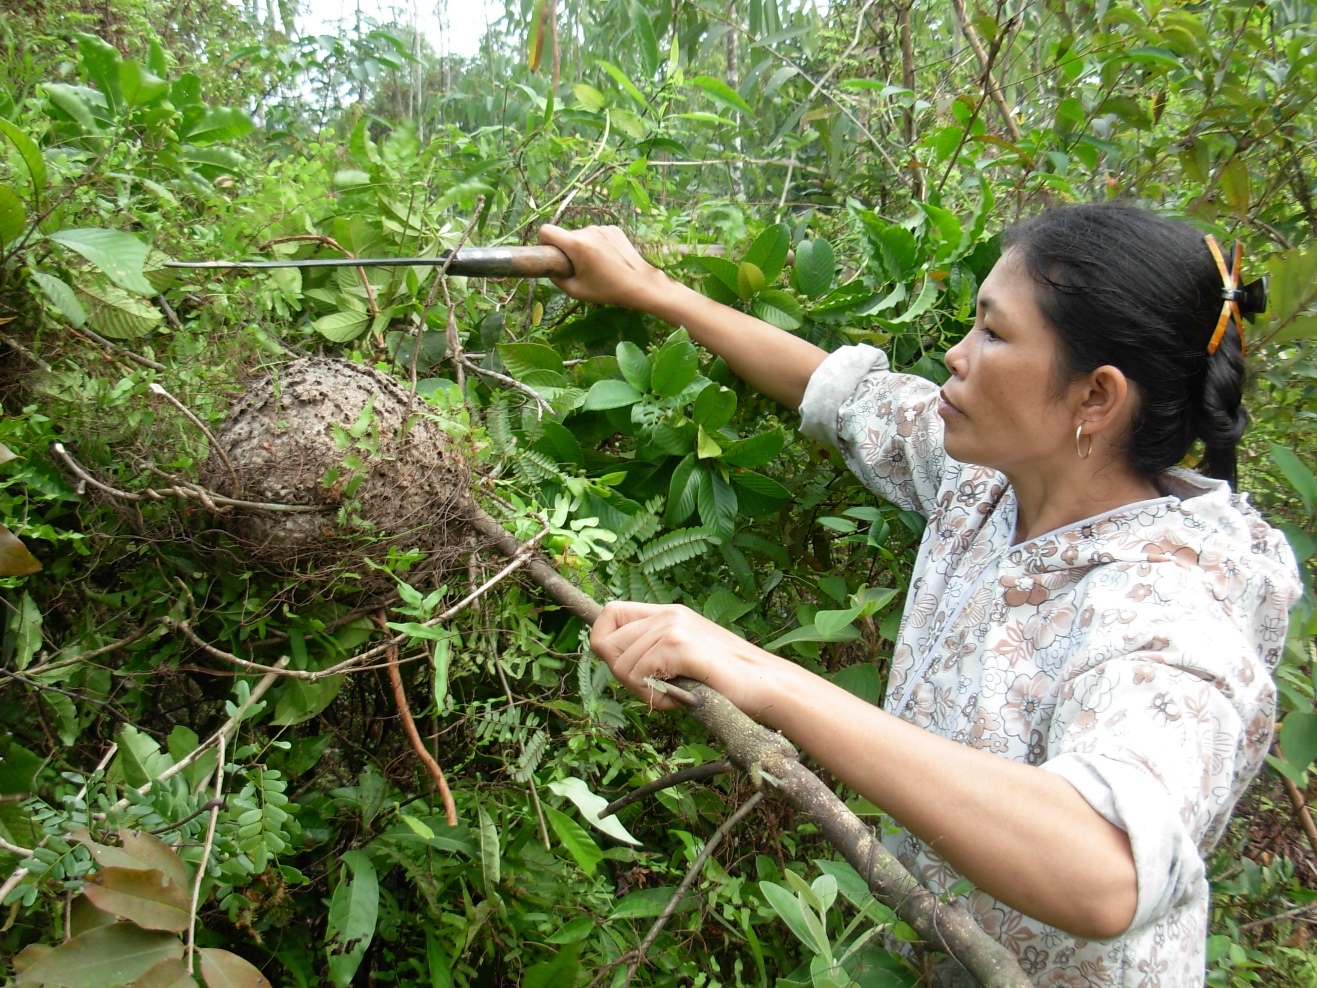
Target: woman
x=1080 y=690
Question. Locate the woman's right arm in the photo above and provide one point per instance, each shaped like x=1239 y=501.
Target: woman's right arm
x=610 y=271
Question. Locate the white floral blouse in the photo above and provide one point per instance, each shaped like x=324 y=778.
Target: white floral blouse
x=1129 y=653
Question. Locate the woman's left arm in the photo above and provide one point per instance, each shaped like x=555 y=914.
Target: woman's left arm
x=1022 y=835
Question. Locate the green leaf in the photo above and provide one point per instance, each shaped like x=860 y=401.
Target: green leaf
x=139 y=85
x=118 y=255
x=24 y=627
x=829 y=623
x=786 y=905
x=723 y=270
x=816 y=264
x=560 y=971
x=61 y=297
x=352 y=916
x=809 y=633
x=170 y=973
x=634 y=365
x=723 y=94
x=524 y=360
x=706 y=447
x=591 y=805
x=106 y=955
x=114 y=313
x=146 y=898
x=610 y=393
x=647 y=903
x=1235 y=185
x=302 y=699
x=674 y=366
x=621 y=79
x=769 y=251
x=222 y=123
x=1298 y=475
x=462 y=193
x=714 y=407
x=717 y=503
x=588 y=97
x=101 y=61
x=749 y=280
x=13 y=215
x=30 y=153
x=340 y=327
x=779 y=309
x=756 y=450
x=491 y=859
x=683 y=489
x=18 y=770
x=15 y=559
x=222 y=969
x=73 y=103
x=584 y=851
x=1298 y=739
x=862 y=680
x=758 y=495
x=140 y=758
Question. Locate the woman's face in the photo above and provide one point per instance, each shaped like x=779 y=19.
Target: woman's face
x=1001 y=406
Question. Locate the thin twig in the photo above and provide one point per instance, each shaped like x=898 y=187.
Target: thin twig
x=696 y=774
x=542 y=405
x=22 y=852
x=1300 y=806
x=692 y=873
x=206 y=807
x=206 y=848
x=409 y=725
x=159 y=389
x=136 y=358
x=186 y=492
x=1294 y=913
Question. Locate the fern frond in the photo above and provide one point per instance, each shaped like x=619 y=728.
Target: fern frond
x=531 y=756
x=675 y=547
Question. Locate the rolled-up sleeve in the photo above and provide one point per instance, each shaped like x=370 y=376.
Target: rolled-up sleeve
x=1161 y=744
x=885 y=425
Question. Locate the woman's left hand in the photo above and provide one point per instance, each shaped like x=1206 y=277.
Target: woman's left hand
x=665 y=641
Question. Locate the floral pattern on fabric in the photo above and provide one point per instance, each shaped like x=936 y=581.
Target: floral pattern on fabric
x=1129 y=653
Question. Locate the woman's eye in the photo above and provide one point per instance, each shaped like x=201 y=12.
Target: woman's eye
x=989 y=334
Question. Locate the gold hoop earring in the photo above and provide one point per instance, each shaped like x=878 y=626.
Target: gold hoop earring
x=1083 y=454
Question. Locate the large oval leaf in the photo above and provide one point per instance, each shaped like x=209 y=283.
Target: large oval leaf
x=222 y=969
x=114 y=313
x=119 y=256
x=779 y=309
x=340 y=327
x=30 y=153
x=147 y=898
x=107 y=955
x=13 y=215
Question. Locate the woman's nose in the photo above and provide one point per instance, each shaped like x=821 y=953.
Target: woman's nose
x=955 y=359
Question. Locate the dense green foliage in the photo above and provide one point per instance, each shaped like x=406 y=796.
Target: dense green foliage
x=739 y=133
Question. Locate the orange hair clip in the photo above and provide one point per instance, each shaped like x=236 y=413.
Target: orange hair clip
x=1231 y=293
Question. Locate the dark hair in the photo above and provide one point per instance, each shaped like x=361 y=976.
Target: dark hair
x=1126 y=287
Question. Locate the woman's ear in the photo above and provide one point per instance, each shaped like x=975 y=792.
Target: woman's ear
x=1107 y=400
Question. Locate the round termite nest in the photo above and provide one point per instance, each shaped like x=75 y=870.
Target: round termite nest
x=350 y=442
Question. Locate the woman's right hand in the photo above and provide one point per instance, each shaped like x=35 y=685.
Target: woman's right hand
x=609 y=270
